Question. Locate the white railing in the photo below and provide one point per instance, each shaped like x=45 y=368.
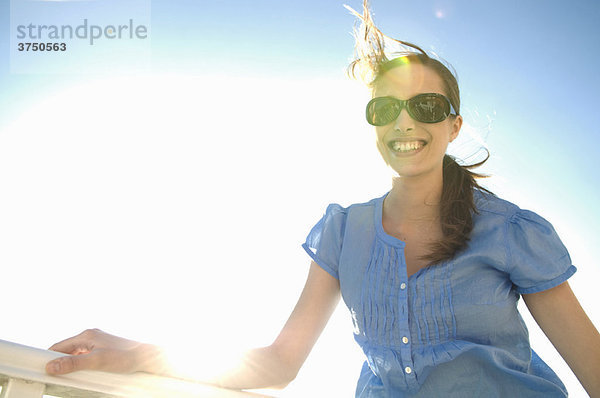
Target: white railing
x=22 y=375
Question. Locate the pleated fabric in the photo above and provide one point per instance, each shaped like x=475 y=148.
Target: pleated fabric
x=452 y=329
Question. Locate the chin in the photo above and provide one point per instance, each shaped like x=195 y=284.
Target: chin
x=411 y=170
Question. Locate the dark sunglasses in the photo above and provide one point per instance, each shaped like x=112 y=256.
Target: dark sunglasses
x=426 y=108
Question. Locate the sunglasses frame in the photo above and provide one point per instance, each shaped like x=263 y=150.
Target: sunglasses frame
x=403 y=105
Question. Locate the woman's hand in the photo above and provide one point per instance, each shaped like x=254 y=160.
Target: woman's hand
x=96 y=350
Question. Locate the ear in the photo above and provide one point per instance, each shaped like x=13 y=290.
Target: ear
x=456 y=125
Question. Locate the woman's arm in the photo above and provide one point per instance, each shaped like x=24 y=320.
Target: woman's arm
x=278 y=364
x=272 y=366
x=566 y=324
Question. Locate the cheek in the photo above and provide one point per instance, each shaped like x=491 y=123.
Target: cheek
x=381 y=147
x=442 y=136
x=380 y=138
x=440 y=146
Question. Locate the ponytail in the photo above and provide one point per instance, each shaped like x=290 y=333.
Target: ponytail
x=457 y=208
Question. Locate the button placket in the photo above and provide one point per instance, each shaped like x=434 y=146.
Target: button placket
x=404 y=332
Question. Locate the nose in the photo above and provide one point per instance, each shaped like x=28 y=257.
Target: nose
x=404 y=123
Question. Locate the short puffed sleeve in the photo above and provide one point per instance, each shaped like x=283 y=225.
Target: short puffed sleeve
x=324 y=242
x=537 y=259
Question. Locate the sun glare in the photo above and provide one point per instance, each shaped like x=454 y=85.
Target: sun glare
x=165 y=204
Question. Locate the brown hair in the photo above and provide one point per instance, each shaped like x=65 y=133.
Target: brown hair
x=457 y=203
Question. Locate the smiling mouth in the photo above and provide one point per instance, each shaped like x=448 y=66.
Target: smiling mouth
x=406 y=146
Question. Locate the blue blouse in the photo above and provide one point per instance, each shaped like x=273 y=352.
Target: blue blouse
x=452 y=329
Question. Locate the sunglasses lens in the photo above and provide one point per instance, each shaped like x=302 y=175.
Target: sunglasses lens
x=429 y=108
x=382 y=110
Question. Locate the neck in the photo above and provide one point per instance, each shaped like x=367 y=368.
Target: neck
x=414 y=199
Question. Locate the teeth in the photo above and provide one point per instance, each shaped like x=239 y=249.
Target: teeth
x=407 y=146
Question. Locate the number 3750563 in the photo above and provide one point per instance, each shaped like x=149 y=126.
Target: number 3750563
x=42 y=46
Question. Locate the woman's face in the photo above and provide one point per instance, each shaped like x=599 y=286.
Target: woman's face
x=409 y=147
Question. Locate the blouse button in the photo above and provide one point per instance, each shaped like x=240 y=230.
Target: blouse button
x=403 y=286
x=408 y=370
x=405 y=340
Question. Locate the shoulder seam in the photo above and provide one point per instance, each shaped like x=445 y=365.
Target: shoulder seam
x=508 y=254
x=507 y=222
x=507 y=212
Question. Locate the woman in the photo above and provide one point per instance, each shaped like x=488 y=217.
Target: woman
x=431 y=272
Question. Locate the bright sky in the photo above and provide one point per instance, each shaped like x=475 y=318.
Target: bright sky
x=165 y=196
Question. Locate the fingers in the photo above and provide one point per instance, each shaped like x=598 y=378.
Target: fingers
x=116 y=361
x=80 y=344
x=96 y=350
x=70 y=347
x=70 y=364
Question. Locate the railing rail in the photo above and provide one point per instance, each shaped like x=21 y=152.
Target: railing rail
x=22 y=375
